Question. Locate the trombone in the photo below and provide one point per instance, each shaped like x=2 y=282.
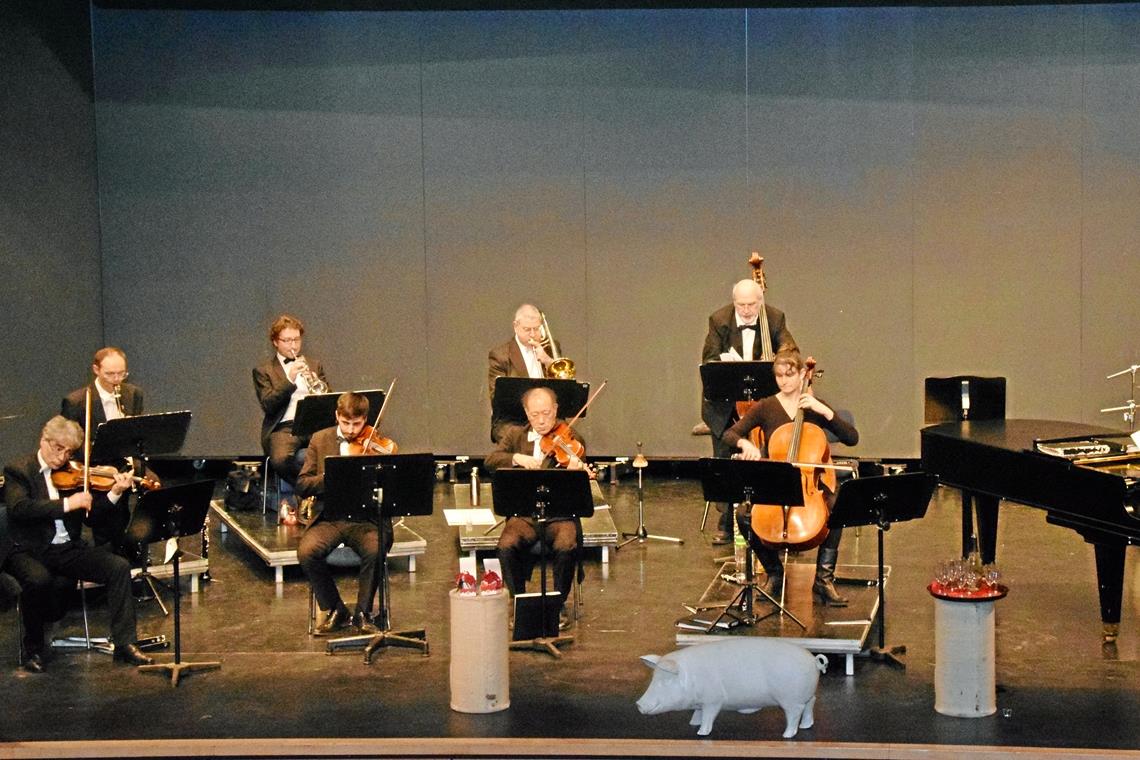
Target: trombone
x=561 y=368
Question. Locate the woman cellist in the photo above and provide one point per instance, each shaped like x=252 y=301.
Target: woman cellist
x=770 y=414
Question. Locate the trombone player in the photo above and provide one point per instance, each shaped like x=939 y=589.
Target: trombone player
x=529 y=353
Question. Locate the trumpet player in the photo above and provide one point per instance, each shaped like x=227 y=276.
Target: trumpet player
x=524 y=355
x=281 y=382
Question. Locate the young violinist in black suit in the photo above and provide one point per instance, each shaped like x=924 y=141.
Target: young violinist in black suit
x=46 y=526
x=281 y=381
x=769 y=414
x=323 y=535
x=521 y=446
x=734 y=336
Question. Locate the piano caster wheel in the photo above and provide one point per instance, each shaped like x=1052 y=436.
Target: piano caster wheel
x=1111 y=631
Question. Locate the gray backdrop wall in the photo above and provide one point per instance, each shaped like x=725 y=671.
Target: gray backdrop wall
x=937 y=191
x=51 y=290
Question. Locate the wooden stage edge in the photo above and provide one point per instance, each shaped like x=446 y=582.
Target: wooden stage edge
x=533 y=747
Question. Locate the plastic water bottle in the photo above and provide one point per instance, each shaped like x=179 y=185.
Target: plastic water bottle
x=739 y=553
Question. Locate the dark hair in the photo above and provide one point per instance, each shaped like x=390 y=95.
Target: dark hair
x=284 y=322
x=352 y=405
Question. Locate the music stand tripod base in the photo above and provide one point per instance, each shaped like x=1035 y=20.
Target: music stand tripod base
x=176 y=668
x=548 y=644
x=411 y=639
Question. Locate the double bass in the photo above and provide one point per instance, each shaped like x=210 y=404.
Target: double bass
x=804 y=445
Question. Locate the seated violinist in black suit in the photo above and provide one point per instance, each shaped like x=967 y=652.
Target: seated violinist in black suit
x=45 y=527
x=521 y=446
x=322 y=535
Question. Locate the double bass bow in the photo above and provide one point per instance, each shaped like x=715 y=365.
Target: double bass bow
x=804 y=445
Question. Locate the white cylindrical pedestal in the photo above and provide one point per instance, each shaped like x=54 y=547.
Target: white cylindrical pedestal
x=964 y=683
x=480 y=665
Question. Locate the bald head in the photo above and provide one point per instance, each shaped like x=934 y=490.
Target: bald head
x=747 y=297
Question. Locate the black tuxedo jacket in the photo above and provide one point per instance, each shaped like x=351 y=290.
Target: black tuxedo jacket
x=274 y=391
x=31 y=513
x=722 y=337
x=72 y=406
x=311 y=480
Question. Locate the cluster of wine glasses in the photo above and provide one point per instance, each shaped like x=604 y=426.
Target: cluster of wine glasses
x=967 y=575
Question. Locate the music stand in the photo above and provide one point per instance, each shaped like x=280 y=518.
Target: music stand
x=544 y=495
x=737 y=381
x=318 y=410
x=642 y=534
x=881 y=501
x=506 y=406
x=141 y=436
x=383 y=486
x=765 y=482
x=172 y=513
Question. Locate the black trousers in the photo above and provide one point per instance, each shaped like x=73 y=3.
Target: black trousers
x=770 y=558
x=38 y=569
x=286 y=452
x=561 y=539
x=318 y=542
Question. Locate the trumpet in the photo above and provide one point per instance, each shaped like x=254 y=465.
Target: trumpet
x=561 y=368
x=312 y=379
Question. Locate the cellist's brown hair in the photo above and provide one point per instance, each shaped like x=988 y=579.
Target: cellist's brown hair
x=788 y=356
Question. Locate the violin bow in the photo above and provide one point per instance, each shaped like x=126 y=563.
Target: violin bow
x=87 y=441
x=380 y=414
x=587 y=404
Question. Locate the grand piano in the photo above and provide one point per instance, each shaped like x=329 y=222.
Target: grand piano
x=1098 y=496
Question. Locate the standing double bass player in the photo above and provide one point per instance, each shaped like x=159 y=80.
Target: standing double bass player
x=770 y=414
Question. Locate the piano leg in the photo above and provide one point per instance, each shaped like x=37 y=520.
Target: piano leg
x=1110 y=584
x=987 y=520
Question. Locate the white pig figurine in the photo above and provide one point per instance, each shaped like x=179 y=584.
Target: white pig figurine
x=735 y=674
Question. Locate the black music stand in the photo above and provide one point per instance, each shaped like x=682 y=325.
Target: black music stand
x=881 y=501
x=384 y=485
x=141 y=436
x=642 y=534
x=506 y=406
x=544 y=495
x=172 y=513
x=766 y=482
x=318 y=410
x=737 y=381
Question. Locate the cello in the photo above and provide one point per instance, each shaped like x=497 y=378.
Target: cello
x=804 y=445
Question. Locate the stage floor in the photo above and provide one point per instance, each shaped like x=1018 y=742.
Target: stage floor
x=1057 y=686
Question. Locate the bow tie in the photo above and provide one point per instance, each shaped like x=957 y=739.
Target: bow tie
x=342 y=439
x=289 y=360
x=749 y=327
x=532 y=436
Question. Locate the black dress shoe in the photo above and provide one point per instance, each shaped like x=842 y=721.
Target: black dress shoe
x=33 y=663
x=132 y=655
x=364 y=623
x=337 y=618
x=721 y=538
x=564 y=620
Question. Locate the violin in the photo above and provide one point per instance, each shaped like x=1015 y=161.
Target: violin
x=371 y=442
x=803 y=444
x=102 y=478
x=560 y=443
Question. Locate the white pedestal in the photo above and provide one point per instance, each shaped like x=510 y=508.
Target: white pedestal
x=964 y=685
x=480 y=666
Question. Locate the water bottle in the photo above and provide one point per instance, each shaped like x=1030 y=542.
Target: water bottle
x=739 y=553
x=474 y=486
